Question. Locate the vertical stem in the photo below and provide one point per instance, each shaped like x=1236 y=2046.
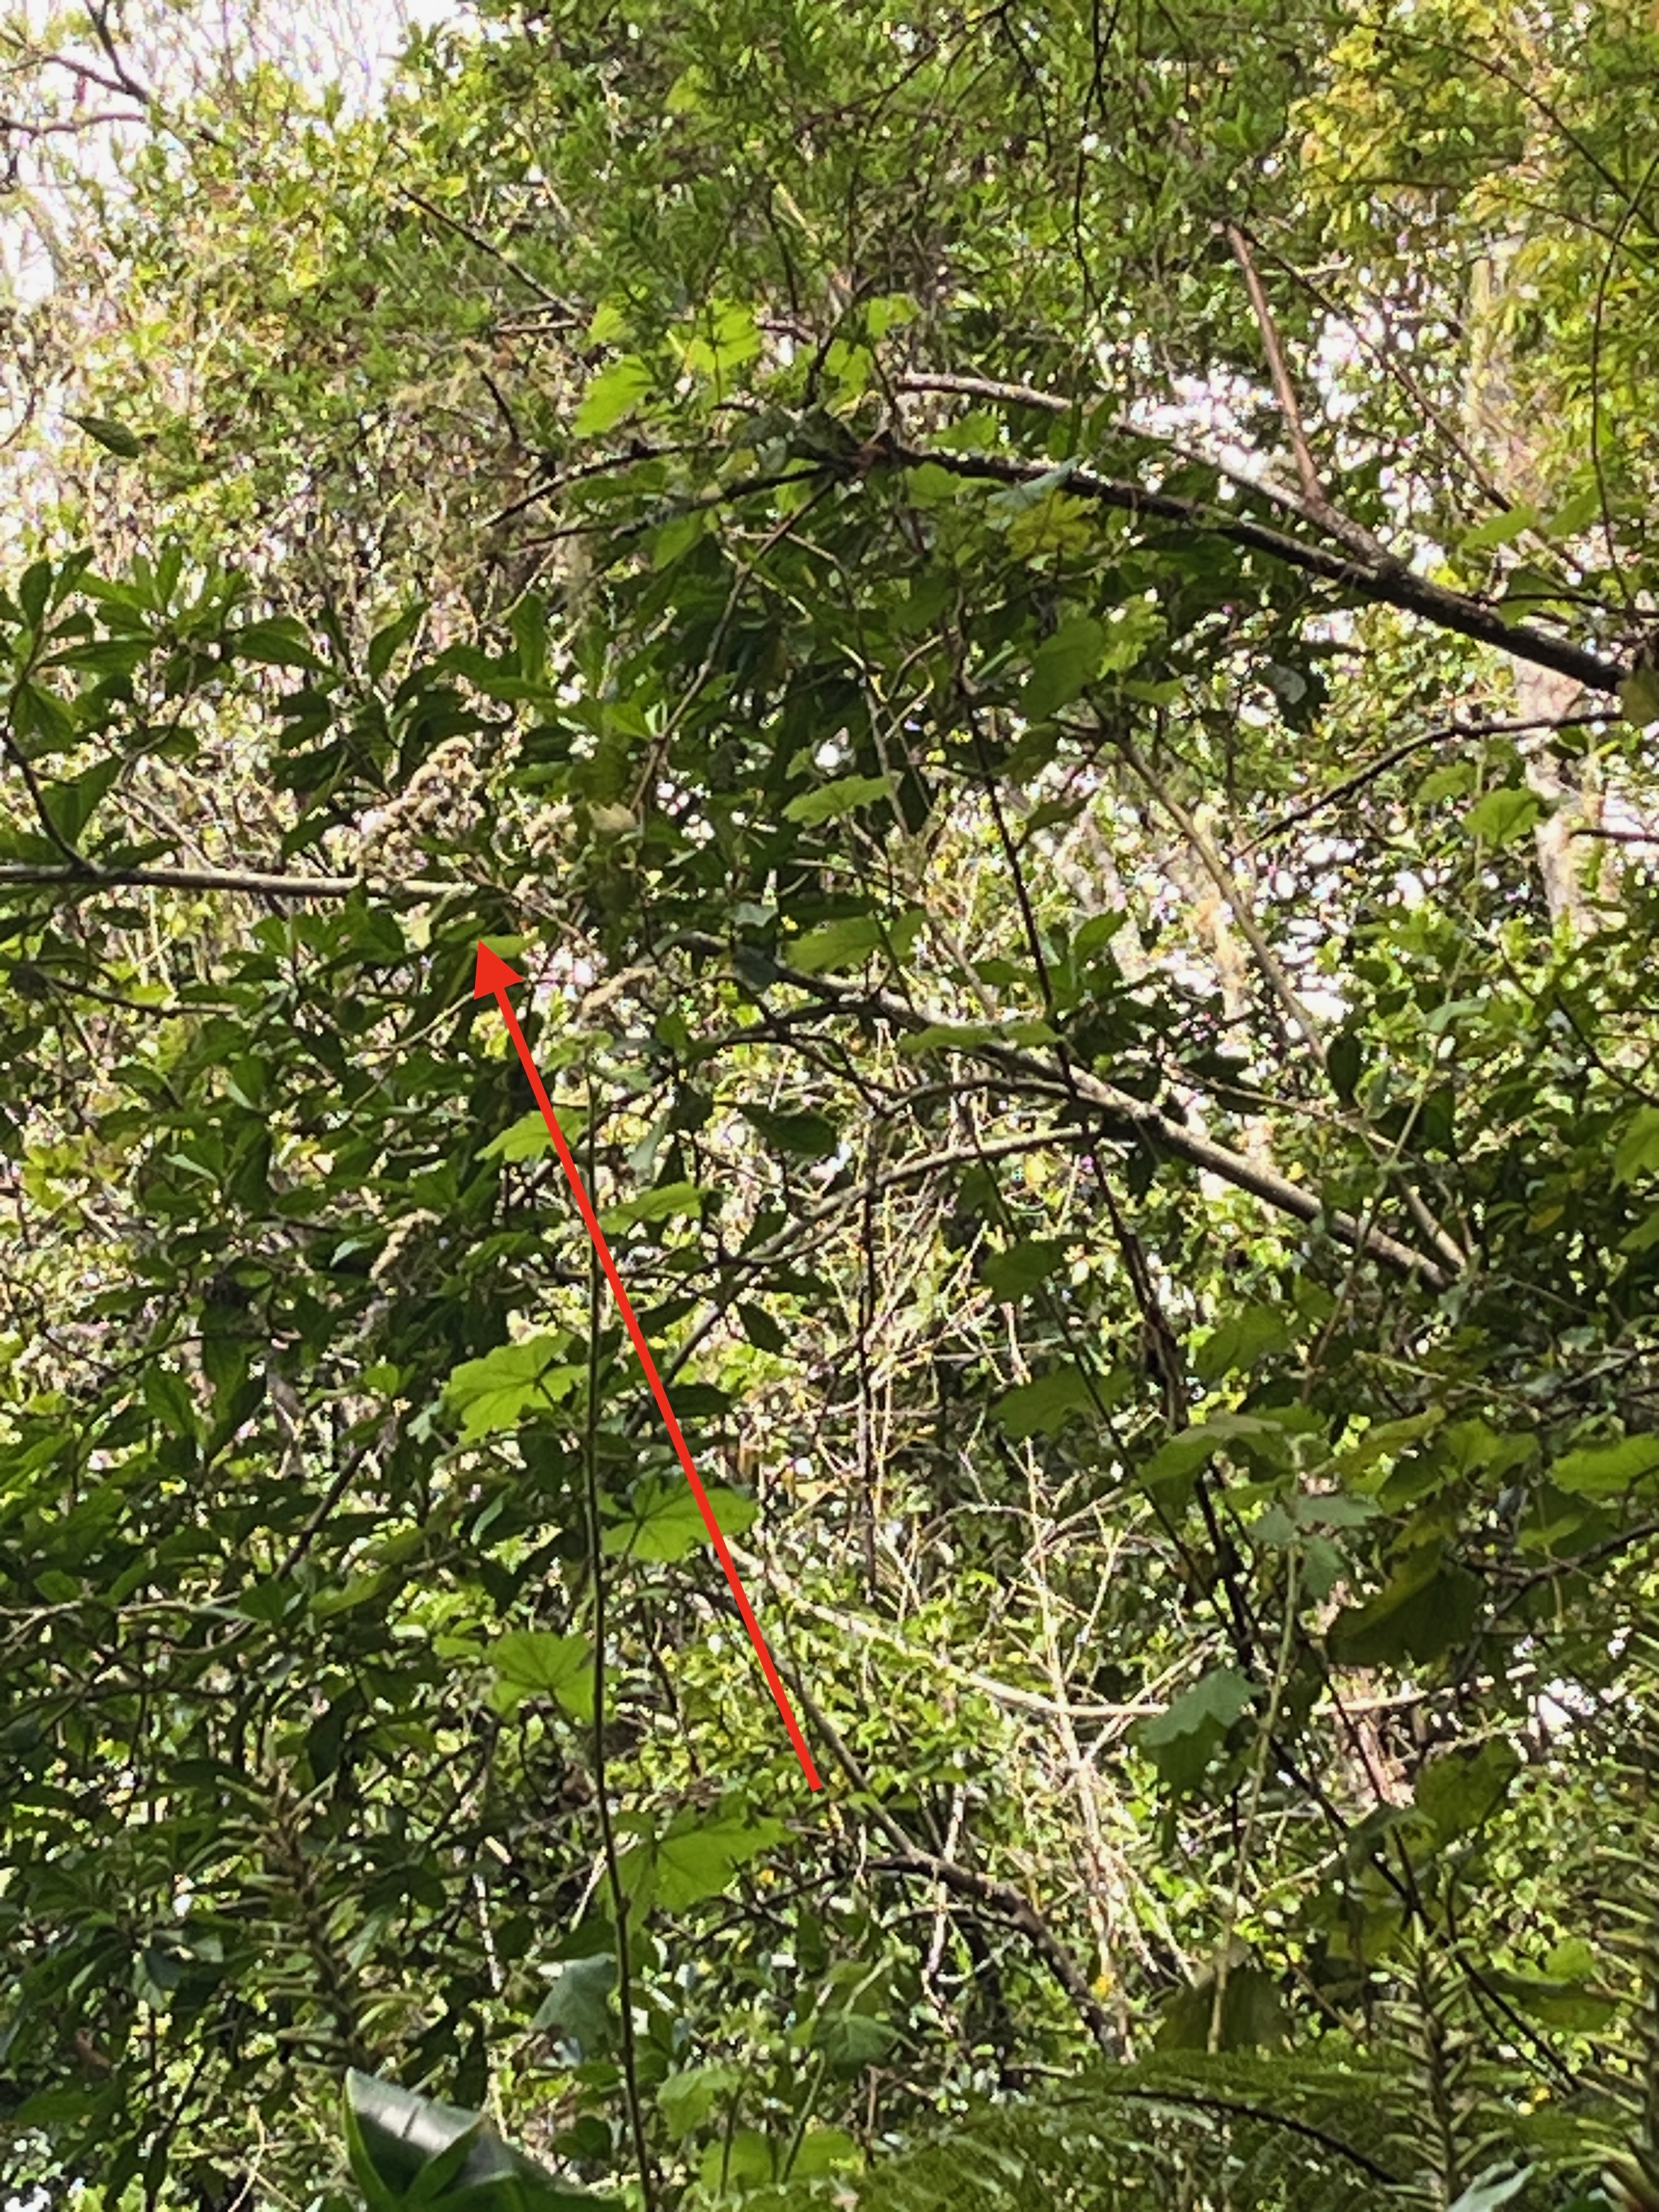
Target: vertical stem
x=607 y=1832
x=814 y=2082
x=868 y=1478
x=1264 y=1748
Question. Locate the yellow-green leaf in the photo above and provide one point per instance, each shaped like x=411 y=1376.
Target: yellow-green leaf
x=610 y=395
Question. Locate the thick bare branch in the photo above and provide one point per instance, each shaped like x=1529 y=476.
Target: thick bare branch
x=1383 y=583
x=1145 y=1120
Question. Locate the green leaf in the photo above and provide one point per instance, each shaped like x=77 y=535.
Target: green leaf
x=1049 y=815
x=497 y=1392
x=1189 y=1449
x=38 y=713
x=1344 y=1063
x=279 y=643
x=385 y=643
x=1034 y=491
x=698 y=1854
x=529 y=1137
x=1015 y=1274
x=1134 y=626
x=668 y=1524
x=847 y=944
x=677 y=537
x=688 y=2101
x=738 y=2158
x=613 y=393
x=1503 y=815
x=964 y=1037
x=1500 y=529
x=1063 y=666
x=1044 y=1406
x=1574 y=514
x=1057 y=526
x=1569 y=1993
x=360 y=1590
x=527 y=620
x=659 y=1204
x=407 y=2150
x=533 y=1662
x=115 y=437
x=1605 y=1470
x=723 y=338
x=1637 y=1153
x=1182 y=1739
x=1252 y=2011
x=608 y=324
x=1426 y=1608
x=890 y=311
x=576 y=2006
x=167 y=1393
x=71 y=806
x=807 y=1136
x=930 y=485
x=831 y=801
x=1555 y=1523
x=1529 y=591
x=225 y=1355
x=761 y=1330
x=1239 y=1341
x=1388 y=1440
x=850 y=2041
x=948 y=1036
x=1460 y=1789
x=1638 y=696
x=826 y=2150
x=1221 y=1696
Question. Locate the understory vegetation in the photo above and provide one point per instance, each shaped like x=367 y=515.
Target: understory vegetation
x=1036 y=628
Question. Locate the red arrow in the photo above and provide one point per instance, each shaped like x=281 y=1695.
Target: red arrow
x=494 y=976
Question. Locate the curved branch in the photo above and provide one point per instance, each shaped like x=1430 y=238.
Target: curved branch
x=1158 y=1130
x=1384 y=582
x=84 y=877
x=1001 y=1897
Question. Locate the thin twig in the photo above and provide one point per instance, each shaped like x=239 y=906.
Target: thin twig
x=619 y=1901
x=84 y=876
x=488 y=245
x=1391 y=369
x=1290 y=998
x=24 y=768
x=910 y=1858
x=550 y=486
x=1616 y=836
x=1003 y=394
x=1358 y=539
x=97 y=16
x=1135 y=1117
x=1334 y=794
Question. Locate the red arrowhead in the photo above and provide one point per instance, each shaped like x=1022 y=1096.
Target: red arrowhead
x=493 y=973
x=494 y=977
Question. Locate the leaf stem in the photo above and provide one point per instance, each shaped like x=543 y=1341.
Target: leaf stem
x=601 y=1792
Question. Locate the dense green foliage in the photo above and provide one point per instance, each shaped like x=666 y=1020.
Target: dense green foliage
x=1034 y=628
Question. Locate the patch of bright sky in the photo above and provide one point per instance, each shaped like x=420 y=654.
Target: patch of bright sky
x=353 y=44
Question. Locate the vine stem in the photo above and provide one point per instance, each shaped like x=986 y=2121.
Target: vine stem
x=601 y=1789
